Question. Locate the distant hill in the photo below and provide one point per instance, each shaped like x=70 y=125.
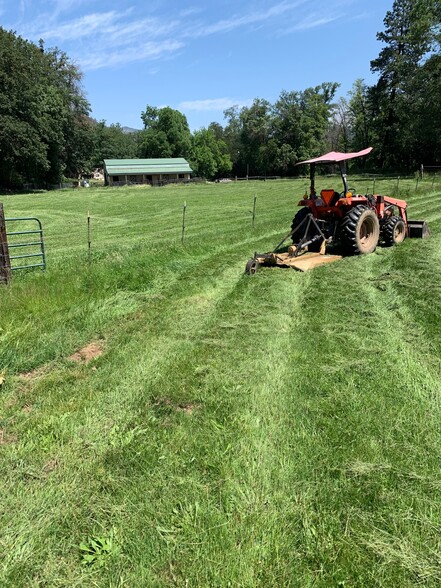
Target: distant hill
x=128 y=130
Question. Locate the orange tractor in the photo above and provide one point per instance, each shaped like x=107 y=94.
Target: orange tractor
x=349 y=223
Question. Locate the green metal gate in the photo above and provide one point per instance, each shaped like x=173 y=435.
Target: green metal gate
x=25 y=242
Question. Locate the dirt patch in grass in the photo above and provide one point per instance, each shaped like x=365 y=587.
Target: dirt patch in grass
x=88 y=352
x=6 y=438
x=188 y=408
x=33 y=374
x=50 y=466
x=167 y=405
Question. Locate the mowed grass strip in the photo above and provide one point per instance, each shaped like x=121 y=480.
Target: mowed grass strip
x=281 y=429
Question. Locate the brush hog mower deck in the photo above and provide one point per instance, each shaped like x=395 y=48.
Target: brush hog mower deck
x=347 y=223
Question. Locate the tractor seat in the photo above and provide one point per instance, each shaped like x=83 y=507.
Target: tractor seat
x=329 y=197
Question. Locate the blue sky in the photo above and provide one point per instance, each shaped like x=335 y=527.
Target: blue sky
x=202 y=57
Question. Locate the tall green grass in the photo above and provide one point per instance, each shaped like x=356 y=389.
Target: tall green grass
x=281 y=429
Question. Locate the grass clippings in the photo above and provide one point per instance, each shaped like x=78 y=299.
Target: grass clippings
x=281 y=429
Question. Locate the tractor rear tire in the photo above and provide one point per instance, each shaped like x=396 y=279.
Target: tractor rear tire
x=360 y=230
x=296 y=221
x=393 y=231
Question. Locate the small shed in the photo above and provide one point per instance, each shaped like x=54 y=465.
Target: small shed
x=118 y=172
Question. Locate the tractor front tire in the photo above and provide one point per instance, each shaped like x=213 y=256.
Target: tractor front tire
x=297 y=235
x=393 y=231
x=360 y=230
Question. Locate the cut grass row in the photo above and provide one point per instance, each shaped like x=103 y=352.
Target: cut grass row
x=281 y=429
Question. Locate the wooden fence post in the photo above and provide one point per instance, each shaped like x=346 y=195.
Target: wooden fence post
x=88 y=236
x=184 y=208
x=5 y=262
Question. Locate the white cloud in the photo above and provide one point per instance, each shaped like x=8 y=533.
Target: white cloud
x=81 y=27
x=316 y=19
x=114 y=37
x=190 y=11
x=225 y=26
x=66 y=5
x=313 y=21
x=148 y=51
x=110 y=26
x=216 y=104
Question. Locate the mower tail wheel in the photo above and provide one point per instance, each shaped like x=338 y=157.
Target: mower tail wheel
x=393 y=231
x=252 y=267
x=360 y=230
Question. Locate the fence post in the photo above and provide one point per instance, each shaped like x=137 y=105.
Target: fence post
x=5 y=262
x=254 y=209
x=88 y=236
x=183 y=221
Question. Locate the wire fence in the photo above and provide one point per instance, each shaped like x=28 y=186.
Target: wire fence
x=97 y=234
x=157 y=183
x=431 y=174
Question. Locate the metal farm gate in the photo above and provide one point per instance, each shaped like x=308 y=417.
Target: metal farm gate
x=21 y=244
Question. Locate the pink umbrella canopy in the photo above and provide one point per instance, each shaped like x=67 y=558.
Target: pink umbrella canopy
x=336 y=156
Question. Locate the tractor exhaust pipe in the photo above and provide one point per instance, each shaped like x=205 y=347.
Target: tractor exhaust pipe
x=418 y=229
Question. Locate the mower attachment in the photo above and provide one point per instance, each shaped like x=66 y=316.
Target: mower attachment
x=298 y=256
x=303 y=262
x=418 y=229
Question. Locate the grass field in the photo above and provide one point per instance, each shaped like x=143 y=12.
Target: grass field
x=166 y=420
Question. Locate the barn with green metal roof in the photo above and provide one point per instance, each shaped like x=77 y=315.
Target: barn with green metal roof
x=118 y=172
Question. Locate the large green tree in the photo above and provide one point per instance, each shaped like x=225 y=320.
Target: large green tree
x=267 y=138
x=210 y=158
x=410 y=36
x=426 y=112
x=256 y=132
x=112 y=142
x=43 y=113
x=166 y=133
x=302 y=120
x=360 y=111
x=339 y=131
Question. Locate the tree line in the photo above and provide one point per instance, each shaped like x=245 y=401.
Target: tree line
x=47 y=134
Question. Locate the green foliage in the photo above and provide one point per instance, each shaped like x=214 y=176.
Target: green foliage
x=43 y=114
x=269 y=139
x=339 y=127
x=425 y=112
x=97 y=551
x=166 y=133
x=410 y=37
x=111 y=142
x=210 y=158
x=360 y=116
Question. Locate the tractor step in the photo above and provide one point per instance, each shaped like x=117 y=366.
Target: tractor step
x=418 y=229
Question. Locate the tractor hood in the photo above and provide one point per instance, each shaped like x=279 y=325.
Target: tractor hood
x=335 y=157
